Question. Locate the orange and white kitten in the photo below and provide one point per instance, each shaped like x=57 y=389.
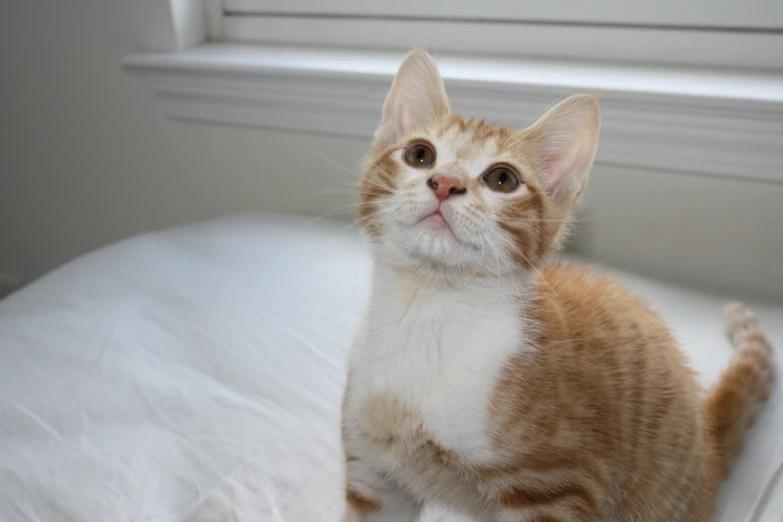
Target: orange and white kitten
x=510 y=390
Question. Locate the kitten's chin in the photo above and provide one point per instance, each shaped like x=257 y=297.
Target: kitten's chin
x=432 y=242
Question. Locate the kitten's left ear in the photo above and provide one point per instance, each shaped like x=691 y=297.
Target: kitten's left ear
x=417 y=97
x=564 y=141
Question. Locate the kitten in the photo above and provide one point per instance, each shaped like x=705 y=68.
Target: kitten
x=507 y=389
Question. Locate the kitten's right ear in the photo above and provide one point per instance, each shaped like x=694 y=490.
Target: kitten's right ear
x=417 y=97
x=565 y=139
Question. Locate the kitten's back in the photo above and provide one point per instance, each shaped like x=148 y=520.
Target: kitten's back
x=609 y=406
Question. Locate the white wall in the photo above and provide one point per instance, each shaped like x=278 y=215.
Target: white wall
x=86 y=158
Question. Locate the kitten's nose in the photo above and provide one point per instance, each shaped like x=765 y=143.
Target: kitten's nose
x=446 y=186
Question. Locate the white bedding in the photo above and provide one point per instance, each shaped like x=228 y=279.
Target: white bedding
x=195 y=375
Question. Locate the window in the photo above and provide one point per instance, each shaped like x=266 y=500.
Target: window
x=691 y=86
x=741 y=34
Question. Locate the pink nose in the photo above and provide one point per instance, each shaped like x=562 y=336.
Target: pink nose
x=445 y=186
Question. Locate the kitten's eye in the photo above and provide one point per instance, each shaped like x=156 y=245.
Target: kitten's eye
x=420 y=155
x=502 y=179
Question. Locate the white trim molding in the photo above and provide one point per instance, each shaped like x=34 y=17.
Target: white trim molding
x=706 y=122
x=629 y=44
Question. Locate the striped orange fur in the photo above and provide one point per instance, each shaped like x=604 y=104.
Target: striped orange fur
x=509 y=388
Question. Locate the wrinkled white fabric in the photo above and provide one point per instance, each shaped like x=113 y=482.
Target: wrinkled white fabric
x=195 y=375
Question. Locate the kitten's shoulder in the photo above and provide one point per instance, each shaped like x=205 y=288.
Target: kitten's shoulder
x=585 y=288
x=584 y=318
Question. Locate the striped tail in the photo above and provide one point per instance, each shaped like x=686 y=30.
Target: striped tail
x=733 y=404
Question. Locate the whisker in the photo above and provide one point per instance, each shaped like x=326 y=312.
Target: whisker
x=497 y=260
x=511 y=272
x=373 y=182
x=333 y=162
x=354 y=227
x=510 y=244
x=332 y=192
x=334 y=211
x=539 y=220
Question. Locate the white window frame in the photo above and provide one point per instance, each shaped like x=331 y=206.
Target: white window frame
x=706 y=112
x=713 y=33
x=756 y=14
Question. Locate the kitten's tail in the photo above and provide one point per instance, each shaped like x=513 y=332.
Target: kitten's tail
x=733 y=403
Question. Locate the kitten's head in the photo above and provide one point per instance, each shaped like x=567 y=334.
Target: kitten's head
x=444 y=192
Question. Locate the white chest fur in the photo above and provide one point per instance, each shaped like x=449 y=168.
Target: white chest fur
x=438 y=351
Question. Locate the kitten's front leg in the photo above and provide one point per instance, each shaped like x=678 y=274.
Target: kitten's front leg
x=371 y=498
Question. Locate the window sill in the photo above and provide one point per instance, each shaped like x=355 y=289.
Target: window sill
x=708 y=122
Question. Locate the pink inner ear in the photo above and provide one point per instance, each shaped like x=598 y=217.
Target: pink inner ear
x=565 y=139
x=417 y=96
x=555 y=182
x=399 y=119
x=566 y=173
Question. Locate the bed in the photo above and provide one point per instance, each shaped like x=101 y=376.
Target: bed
x=195 y=374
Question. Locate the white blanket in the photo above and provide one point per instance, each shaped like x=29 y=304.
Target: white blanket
x=195 y=375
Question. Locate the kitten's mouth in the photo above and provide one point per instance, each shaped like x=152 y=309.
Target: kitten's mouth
x=438 y=222
x=436 y=219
